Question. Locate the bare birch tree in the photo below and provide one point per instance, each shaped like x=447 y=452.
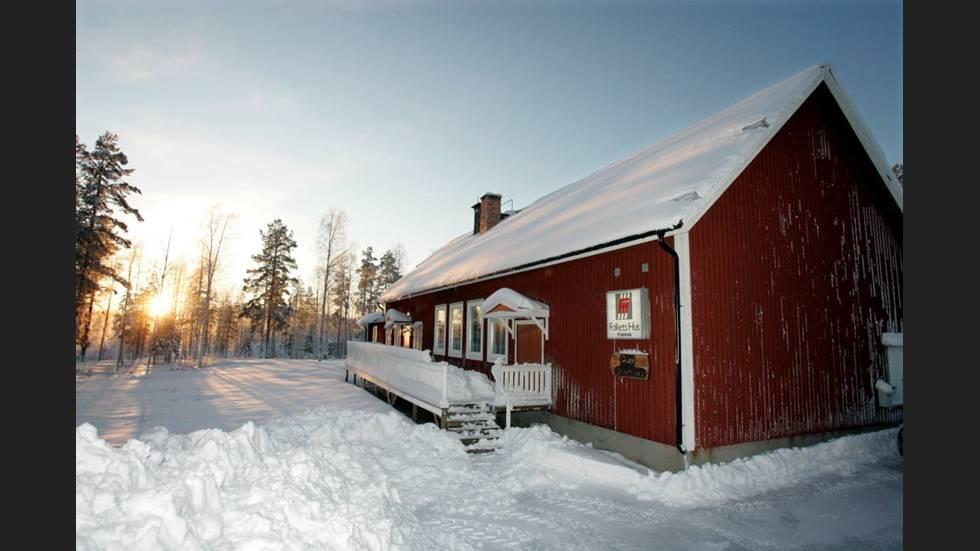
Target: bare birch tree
x=332 y=245
x=127 y=304
x=216 y=229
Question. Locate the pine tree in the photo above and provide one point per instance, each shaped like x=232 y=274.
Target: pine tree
x=268 y=283
x=81 y=154
x=101 y=195
x=388 y=271
x=367 y=286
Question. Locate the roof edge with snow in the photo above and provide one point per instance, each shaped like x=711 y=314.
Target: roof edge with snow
x=679 y=178
x=373 y=317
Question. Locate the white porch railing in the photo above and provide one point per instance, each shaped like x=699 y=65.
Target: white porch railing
x=521 y=386
x=409 y=372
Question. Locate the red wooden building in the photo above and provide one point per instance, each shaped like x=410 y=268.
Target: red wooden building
x=745 y=271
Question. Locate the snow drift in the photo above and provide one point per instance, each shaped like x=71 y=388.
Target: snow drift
x=537 y=455
x=356 y=480
x=319 y=479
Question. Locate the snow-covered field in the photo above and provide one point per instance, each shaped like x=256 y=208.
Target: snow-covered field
x=272 y=454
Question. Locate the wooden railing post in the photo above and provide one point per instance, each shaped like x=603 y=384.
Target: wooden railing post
x=445 y=383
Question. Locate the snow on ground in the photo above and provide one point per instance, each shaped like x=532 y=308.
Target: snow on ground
x=224 y=396
x=466 y=384
x=298 y=459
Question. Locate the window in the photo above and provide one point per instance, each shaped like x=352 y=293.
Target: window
x=439 y=340
x=497 y=340
x=417 y=335
x=389 y=337
x=456 y=330
x=474 y=331
x=374 y=334
x=406 y=336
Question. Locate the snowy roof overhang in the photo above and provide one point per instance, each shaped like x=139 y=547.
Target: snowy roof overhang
x=667 y=186
x=373 y=317
x=507 y=303
x=396 y=317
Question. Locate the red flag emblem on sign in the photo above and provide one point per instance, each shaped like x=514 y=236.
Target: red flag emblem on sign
x=623 y=308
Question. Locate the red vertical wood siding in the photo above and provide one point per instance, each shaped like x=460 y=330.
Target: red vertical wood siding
x=796 y=272
x=585 y=388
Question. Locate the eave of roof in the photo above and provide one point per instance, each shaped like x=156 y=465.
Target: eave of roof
x=643 y=169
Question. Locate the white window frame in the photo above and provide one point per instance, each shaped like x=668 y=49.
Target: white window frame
x=436 y=349
x=417 y=335
x=449 y=331
x=491 y=357
x=389 y=336
x=478 y=355
x=374 y=334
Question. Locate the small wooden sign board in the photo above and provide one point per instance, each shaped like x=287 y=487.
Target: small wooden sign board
x=633 y=366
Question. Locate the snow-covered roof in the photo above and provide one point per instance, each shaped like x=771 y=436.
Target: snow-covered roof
x=373 y=317
x=394 y=316
x=674 y=181
x=513 y=304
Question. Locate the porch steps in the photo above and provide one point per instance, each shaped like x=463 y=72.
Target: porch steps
x=475 y=425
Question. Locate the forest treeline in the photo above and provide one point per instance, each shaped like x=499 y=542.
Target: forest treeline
x=134 y=309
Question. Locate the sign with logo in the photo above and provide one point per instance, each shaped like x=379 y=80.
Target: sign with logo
x=631 y=365
x=628 y=314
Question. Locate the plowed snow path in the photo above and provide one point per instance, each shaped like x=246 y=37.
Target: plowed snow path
x=353 y=474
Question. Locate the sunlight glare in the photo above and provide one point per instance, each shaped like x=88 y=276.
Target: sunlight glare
x=159 y=306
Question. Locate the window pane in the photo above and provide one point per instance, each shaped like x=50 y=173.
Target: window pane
x=476 y=328
x=441 y=329
x=457 y=341
x=499 y=338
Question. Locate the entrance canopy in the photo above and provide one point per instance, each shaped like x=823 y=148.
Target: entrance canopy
x=394 y=317
x=373 y=317
x=507 y=303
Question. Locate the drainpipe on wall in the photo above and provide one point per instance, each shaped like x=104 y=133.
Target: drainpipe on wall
x=661 y=240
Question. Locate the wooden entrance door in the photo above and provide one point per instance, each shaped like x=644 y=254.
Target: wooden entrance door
x=529 y=346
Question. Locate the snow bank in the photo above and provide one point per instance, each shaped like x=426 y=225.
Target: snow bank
x=538 y=456
x=326 y=480
x=365 y=480
x=466 y=385
x=742 y=478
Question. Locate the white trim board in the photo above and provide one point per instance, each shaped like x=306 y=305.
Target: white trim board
x=682 y=245
x=864 y=135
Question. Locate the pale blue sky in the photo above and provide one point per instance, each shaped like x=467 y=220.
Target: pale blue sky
x=405 y=113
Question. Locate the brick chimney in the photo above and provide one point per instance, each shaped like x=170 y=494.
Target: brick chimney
x=488 y=212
